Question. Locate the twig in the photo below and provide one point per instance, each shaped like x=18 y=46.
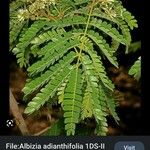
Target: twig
x=17 y=115
x=41 y=132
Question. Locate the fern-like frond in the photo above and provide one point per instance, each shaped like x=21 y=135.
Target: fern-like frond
x=48 y=91
x=104 y=47
x=55 y=43
x=15 y=30
x=107 y=97
x=63 y=45
x=92 y=84
x=100 y=42
x=101 y=128
x=100 y=70
x=87 y=110
x=132 y=23
x=125 y=15
x=72 y=101
x=51 y=58
x=119 y=21
x=135 y=70
x=61 y=91
x=121 y=17
x=97 y=23
x=125 y=31
x=47 y=36
x=24 y=42
x=103 y=99
x=38 y=82
x=108 y=29
x=115 y=21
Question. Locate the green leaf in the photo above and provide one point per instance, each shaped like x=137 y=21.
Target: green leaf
x=97 y=23
x=100 y=70
x=47 y=92
x=104 y=47
x=47 y=36
x=107 y=97
x=135 y=46
x=87 y=104
x=61 y=91
x=50 y=58
x=132 y=22
x=72 y=101
x=56 y=129
x=98 y=107
x=38 y=82
x=135 y=70
x=16 y=29
x=24 y=41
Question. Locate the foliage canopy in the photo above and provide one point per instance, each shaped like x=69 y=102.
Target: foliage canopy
x=70 y=39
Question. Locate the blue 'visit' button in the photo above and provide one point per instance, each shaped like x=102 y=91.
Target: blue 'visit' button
x=128 y=145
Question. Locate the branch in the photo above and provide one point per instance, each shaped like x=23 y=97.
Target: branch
x=41 y=132
x=17 y=115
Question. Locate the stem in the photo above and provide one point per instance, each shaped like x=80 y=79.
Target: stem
x=85 y=32
x=17 y=114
